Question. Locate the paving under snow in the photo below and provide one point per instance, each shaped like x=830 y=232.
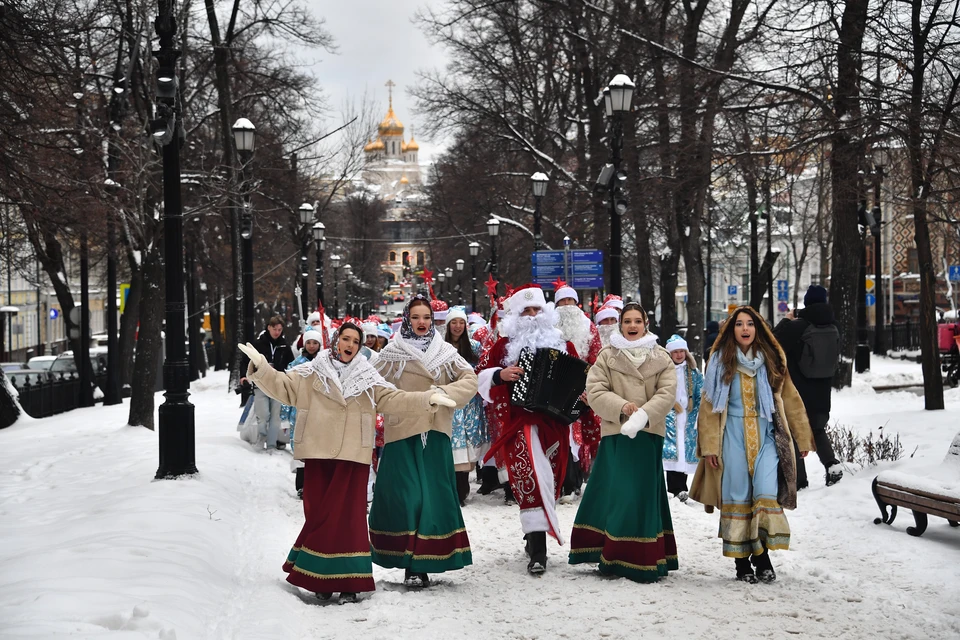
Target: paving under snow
x=92 y=547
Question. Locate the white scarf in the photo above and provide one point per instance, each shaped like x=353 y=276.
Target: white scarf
x=351 y=379
x=636 y=350
x=439 y=357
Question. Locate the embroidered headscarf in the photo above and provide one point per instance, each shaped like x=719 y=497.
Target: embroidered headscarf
x=406 y=329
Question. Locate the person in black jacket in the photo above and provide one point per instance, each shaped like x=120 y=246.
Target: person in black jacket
x=713 y=330
x=278 y=353
x=815 y=392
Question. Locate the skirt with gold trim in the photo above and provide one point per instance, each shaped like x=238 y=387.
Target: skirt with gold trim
x=624 y=522
x=415 y=519
x=332 y=552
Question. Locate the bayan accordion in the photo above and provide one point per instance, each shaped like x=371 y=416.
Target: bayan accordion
x=552 y=383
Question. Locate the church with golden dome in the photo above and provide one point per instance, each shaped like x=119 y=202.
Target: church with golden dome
x=392 y=170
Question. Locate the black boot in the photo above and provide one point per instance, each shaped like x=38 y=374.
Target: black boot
x=508 y=498
x=463 y=486
x=537 y=550
x=298 y=483
x=745 y=571
x=489 y=482
x=347 y=598
x=415 y=580
x=324 y=596
x=765 y=572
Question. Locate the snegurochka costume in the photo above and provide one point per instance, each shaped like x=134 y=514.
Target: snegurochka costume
x=469 y=437
x=336 y=405
x=415 y=519
x=680 y=442
x=623 y=523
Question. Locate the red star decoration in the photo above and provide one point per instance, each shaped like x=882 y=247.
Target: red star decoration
x=491 y=287
x=594 y=306
x=427 y=276
x=509 y=290
x=559 y=282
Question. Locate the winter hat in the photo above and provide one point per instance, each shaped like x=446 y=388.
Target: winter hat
x=613 y=301
x=384 y=331
x=395 y=325
x=713 y=327
x=369 y=329
x=607 y=311
x=312 y=334
x=475 y=318
x=457 y=312
x=565 y=292
x=676 y=342
x=529 y=295
x=439 y=309
x=313 y=317
x=815 y=294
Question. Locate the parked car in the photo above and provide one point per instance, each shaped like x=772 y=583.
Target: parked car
x=40 y=363
x=399 y=298
x=33 y=376
x=12 y=366
x=65 y=363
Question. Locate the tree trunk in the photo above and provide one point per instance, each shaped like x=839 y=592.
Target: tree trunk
x=215 y=331
x=149 y=342
x=128 y=328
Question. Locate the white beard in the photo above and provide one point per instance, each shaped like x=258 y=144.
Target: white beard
x=536 y=332
x=607 y=330
x=575 y=328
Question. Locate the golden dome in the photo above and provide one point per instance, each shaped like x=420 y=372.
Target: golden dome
x=412 y=145
x=391 y=126
x=374 y=146
x=404 y=180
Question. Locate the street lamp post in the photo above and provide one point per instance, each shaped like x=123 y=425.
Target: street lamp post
x=449 y=274
x=306 y=217
x=474 y=252
x=177 y=446
x=460 y=264
x=539 y=181
x=318 y=231
x=862 y=353
x=493 y=229
x=617 y=98
x=335 y=263
x=347 y=294
x=879 y=337
x=441 y=278
x=244 y=134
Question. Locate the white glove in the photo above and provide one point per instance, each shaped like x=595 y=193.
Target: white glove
x=442 y=400
x=256 y=358
x=634 y=424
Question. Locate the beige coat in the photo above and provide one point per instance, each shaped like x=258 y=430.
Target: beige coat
x=614 y=381
x=461 y=388
x=328 y=426
x=707 y=480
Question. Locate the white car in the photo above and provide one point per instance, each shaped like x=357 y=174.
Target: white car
x=41 y=363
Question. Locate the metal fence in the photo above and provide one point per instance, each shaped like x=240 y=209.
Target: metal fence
x=42 y=398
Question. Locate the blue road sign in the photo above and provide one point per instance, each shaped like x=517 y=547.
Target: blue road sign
x=731 y=290
x=783 y=296
x=955 y=273
x=871 y=299
x=587 y=269
x=587 y=282
x=547 y=257
x=586 y=255
x=548 y=270
x=783 y=285
x=54 y=314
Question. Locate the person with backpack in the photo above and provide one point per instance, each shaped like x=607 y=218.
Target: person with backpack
x=811 y=341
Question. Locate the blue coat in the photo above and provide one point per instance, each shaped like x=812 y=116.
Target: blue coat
x=694 y=385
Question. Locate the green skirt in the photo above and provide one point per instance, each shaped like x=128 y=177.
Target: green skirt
x=623 y=522
x=415 y=519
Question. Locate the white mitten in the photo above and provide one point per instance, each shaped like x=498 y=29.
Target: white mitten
x=634 y=424
x=256 y=358
x=442 y=400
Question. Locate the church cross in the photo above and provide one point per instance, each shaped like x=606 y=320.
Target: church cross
x=390 y=85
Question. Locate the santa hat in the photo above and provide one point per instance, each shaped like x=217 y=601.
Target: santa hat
x=565 y=292
x=607 y=311
x=312 y=334
x=676 y=342
x=313 y=317
x=457 y=312
x=383 y=331
x=375 y=319
x=529 y=295
x=613 y=301
x=395 y=325
x=439 y=308
x=475 y=318
x=369 y=329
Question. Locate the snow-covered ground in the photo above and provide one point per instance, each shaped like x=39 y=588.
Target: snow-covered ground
x=92 y=547
x=892 y=371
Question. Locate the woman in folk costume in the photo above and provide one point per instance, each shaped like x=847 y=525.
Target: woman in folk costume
x=312 y=341
x=680 y=443
x=469 y=437
x=624 y=522
x=750 y=416
x=415 y=520
x=337 y=395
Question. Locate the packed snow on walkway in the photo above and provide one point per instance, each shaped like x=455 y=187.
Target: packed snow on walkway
x=92 y=547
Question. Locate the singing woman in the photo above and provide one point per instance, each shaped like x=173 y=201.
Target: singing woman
x=624 y=522
x=750 y=416
x=415 y=519
x=337 y=396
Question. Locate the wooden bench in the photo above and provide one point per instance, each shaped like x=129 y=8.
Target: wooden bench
x=924 y=496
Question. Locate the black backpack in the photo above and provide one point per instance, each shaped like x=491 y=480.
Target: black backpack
x=819 y=351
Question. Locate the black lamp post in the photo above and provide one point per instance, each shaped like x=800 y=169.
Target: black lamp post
x=539 y=182
x=616 y=97
x=318 y=231
x=474 y=252
x=862 y=353
x=335 y=263
x=347 y=293
x=879 y=337
x=176 y=415
x=449 y=274
x=493 y=228
x=244 y=135
x=460 y=264
x=441 y=278
x=306 y=217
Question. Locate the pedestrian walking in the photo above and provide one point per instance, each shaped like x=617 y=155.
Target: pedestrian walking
x=271 y=345
x=680 y=441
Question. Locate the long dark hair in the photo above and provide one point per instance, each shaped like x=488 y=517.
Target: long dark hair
x=464 y=348
x=726 y=345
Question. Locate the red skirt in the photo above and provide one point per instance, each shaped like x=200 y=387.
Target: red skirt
x=332 y=552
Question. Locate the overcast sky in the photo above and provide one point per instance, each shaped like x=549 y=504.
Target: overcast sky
x=377 y=41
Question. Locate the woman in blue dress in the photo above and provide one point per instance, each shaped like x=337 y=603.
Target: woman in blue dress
x=470 y=439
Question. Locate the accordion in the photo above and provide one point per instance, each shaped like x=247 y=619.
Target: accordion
x=552 y=383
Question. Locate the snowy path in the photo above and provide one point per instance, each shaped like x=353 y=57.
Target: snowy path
x=92 y=547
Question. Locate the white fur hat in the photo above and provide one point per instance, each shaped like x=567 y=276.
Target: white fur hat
x=457 y=312
x=369 y=329
x=613 y=301
x=565 y=292
x=313 y=317
x=440 y=315
x=475 y=318
x=676 y=342
x=312 y=334
x=607 y=311
x=529 y=295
